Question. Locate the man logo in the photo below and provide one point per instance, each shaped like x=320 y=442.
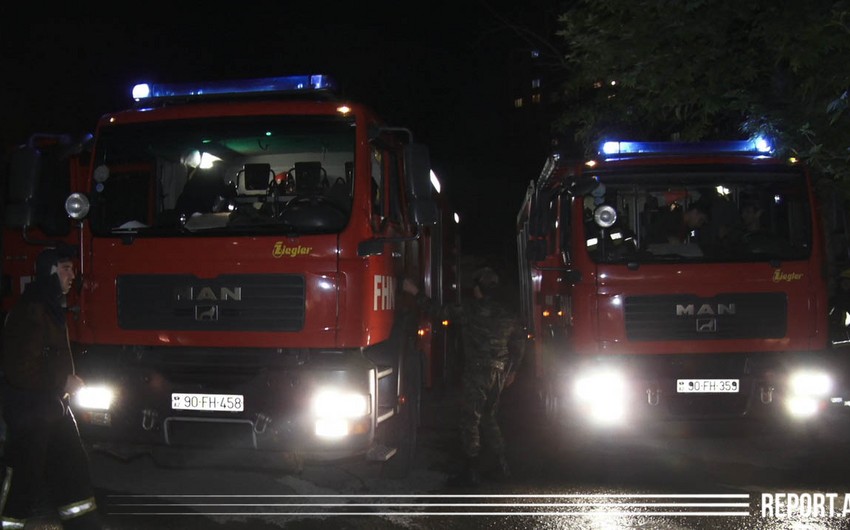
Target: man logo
x=206 y=313
x=207 y=293
x=705 y=310
x=706 y=325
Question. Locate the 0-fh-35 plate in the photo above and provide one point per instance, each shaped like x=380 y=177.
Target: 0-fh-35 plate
x=708 y=386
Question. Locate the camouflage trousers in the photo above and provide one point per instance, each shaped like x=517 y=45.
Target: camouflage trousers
x=482 y=386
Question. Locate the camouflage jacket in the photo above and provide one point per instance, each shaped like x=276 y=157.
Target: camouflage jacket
x=492 y=334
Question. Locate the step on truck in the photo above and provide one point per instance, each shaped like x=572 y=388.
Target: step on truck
x=665 y=281
x=241 y=250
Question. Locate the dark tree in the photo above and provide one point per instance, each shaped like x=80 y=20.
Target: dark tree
x=703 y=69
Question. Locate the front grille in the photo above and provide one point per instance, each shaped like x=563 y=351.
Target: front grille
x=689 y=317
x=219 y=366
x=709 y=405
x=210 y=433
x=258 y=302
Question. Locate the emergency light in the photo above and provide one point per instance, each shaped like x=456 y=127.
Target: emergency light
x=286 y=84
x=756 y=145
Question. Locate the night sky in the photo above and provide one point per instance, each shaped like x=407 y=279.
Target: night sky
x=443 y=72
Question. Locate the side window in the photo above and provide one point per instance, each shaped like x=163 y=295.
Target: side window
x=394 y=186
x=386 y=186
x=564 y=223
x=378 y=210
x=552 y=223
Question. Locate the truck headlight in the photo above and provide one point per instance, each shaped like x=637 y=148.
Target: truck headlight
x=602 y=394
x=335 y=410
x=810 y=383
x=806 y=391
x=95 y=397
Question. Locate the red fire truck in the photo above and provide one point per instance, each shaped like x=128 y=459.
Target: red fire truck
x=676 y=280
x=241 y=250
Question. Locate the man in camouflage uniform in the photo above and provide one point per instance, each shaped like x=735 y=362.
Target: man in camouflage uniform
x=493 y=343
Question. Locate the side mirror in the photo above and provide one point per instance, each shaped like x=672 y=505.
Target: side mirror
x=583 y=186
x=417 y=164
x=539 y=222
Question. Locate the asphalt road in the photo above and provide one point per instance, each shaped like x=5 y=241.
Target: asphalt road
x=685 y=476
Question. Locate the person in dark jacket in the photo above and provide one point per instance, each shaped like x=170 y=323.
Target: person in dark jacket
x=674 y=224
x=43 y=452
x=493 y=346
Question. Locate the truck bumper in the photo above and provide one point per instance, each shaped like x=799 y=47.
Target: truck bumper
x=620 y=390
x=277 y=421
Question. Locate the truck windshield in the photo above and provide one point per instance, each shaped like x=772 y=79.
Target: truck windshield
x=247 y=175
x=701 y=215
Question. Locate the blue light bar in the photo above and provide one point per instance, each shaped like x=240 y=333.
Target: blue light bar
x=286 y=84
x=757 y=145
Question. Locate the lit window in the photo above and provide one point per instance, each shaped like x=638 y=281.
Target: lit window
x=518 y=103
x=535 y=98
x=535 y=54
x=535 y=83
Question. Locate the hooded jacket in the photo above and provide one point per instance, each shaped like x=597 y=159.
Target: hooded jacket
x=36 y=350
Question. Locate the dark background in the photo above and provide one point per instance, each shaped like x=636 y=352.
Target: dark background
x=449 y=73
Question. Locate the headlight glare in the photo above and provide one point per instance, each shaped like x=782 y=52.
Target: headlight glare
x=600 y=384
x=810 y=383
x=95 y=397
x=332 y=427
x=338 y=404
x=602 y=395
x=801 y=406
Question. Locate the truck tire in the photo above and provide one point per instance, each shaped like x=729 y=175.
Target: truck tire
x=403 y=432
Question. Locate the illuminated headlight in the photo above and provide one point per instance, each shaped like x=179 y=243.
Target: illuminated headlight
x=807 y=389
x=802 y=406
x=334 y=411
x=810 y=383
x=95 y=397
x=602 y=394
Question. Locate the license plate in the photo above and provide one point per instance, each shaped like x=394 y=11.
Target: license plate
x=223 y=402
x=708 y=386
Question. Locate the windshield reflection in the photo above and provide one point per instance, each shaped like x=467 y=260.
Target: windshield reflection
x=224 y=175
x=750 y=216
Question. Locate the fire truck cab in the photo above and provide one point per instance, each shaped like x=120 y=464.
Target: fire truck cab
x=242 y=246
x=676 y=281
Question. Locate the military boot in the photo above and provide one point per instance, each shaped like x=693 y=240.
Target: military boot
x=502 y=470
x=498 y=468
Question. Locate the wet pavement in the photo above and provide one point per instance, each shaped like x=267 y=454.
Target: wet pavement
x=687 y=477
